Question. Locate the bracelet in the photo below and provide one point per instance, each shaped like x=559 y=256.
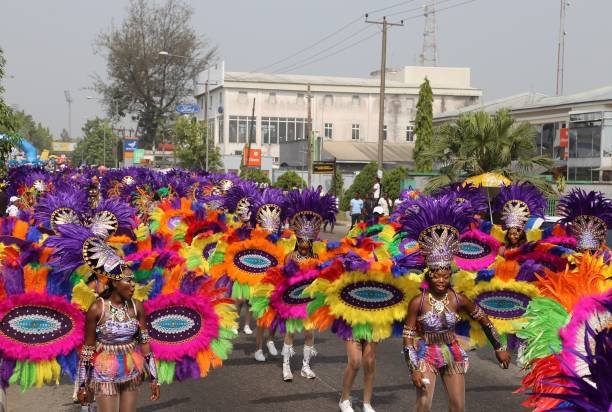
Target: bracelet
x=477 y=313
x=410 y=356
x=87 y=353
x=503 y=348
x=143 y=337
x=409 y=332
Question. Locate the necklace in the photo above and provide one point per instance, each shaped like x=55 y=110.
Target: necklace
x=120 y=314
x=438 y=305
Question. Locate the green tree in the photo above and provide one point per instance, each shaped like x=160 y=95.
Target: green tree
x=40 y=136
x=90 y=149
x=392 y=181
x=478 y=143
x=191 y=149
x=140 y=80
x=337 y=183
x=423 y=128
x=363 y=184
x=64 y=136
x=8 y=125
x=255 y=175
x=289 y=180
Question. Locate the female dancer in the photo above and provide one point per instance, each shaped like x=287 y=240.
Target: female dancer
x=115 y=327
x=433 y=315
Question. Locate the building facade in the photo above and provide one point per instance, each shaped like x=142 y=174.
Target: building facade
x=574 y=130
x=272 y=109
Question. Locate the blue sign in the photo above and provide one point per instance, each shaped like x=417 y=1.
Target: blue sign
x=187 y=108
x=130 y=145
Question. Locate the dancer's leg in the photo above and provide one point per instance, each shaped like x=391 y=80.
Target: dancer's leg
x=455 y=390
x=354 y=357
x=128 y=400
x=369 y=370
x=425 y=397
x=107 y=403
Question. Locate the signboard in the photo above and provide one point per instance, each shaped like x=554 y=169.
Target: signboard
x=138 y=155
x=187 y=108
x=62 y=146
x=44 y=155
x=563 y=137
x=130 y=145
x=251 y=157
x=323 y=168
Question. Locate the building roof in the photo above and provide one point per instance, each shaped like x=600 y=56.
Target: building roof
x=527 y=101
x=365 y=152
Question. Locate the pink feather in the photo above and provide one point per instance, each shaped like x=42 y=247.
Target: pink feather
x=287 y=311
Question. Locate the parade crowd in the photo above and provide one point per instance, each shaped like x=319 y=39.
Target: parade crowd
x=128 y=277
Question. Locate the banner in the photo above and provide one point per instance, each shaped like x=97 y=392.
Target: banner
x=129 y=145
x=563 y=137
x=323 y=168
x=251 y=157
x=62 y=146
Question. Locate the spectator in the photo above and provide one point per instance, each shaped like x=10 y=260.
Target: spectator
x=333 y=224
x=356 y=209
x=368 y=206
x=386 y=204
x=376 y=190
x=13 y=209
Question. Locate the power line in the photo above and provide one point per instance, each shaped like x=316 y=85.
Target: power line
x=452 y=6
x=391 y=7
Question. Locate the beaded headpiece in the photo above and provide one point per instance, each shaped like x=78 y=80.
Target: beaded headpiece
x=268 y=210
x=239 y=197
x=436 y=223
x=308 y=210
x=475 y=196
x=518 y=202
x=588 y=216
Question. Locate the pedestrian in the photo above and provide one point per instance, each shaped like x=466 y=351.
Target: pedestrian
x=331 y=222
x=356 y=208
x=368 y=206
x=376 y=190
x=13 y=209
x=386 y=204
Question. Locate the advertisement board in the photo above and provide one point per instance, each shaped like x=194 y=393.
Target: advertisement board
x=251 y=157
x=63 y=146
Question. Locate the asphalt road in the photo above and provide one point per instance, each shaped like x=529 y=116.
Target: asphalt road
x=245 y=385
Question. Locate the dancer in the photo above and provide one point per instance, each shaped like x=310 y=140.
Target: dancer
x=430 y=344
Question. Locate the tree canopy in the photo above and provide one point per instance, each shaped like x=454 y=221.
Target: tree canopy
x=363 y=184
x=8 y=125
x=90 y=149
x=256 y=175
x=392 y=181
x=140 y=80
x=423 y=128
x=289 y=180
x=337 y=183
x=191 y=148
x=478 y=143
x=40 y=136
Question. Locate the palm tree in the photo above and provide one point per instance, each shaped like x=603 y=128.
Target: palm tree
x=478 y=143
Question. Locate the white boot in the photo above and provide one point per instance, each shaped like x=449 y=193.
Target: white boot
x=259 y=356
x=287 y=352
x=345 y=406
x=309 y=353
x=271 y=348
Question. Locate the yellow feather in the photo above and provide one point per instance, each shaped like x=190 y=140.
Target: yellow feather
x=141 y=292
x=83 y=295
x=498 y=233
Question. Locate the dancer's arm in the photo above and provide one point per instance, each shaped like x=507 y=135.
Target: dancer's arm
x=409 y=334
x=145 y=347
x=87 y=351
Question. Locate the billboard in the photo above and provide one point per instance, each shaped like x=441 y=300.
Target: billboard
x=251 y=157
x=58 y=146
x=323 y=168
x=129 y=145
x=138 y=155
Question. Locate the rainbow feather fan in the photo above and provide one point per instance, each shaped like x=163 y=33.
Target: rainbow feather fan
x=477 y=250
x=168 y=214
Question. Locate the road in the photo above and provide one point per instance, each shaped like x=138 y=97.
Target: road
x=245 y=385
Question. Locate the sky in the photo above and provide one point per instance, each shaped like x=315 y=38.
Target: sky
x=510 y=45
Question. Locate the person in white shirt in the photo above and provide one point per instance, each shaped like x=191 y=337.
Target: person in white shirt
x=386 y=204
x=13 y=210
x=356 y=209
x=376 y=190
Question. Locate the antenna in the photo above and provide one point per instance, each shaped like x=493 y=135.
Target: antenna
x=561 y=48
x=69 y=101
x=429 y=54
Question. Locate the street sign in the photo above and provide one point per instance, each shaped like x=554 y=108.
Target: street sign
x=323 y=168
x=130 y=145
x=187 y=108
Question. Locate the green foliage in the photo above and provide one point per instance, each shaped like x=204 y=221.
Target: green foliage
x=423 y=128
x=35 y=133
x=337 y=183
x=392 y=181
x=289 y=180
x=90 y=149
x=478 y=143
x=64 y=136
x=191 y=148
x=363 y=184
x=255 y=175
x=8 y=125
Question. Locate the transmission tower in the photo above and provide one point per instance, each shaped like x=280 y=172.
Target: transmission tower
x=561 y=48
x=429 y=54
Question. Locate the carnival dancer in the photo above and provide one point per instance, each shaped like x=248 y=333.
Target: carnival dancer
x=518 y=203
x=430 y=343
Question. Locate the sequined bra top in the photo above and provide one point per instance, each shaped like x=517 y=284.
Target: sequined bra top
x=432 y=322
x=113 y=331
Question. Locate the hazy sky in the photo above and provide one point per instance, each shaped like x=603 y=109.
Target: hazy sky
x=510 y=45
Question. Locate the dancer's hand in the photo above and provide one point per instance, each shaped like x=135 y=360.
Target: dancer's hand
x=83 y=396
x=417 y=380
x=154 y=391
x=503 y=357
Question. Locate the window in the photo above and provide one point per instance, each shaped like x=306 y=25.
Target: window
x=272 y=98
x=410 y=133
x=282 y=129
x=385 y=132
x=329 y=130
x=355 y=100
x=240 y=128
x=585 y=174
x=300 y=129
x=328 y=100
x=221 y=130
x=355 y=131
x=585 y=139
x=290 y=129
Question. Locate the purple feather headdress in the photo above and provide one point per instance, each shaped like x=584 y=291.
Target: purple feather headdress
x=308 y=210
x=58 y=208
x=436 y=223
x=268 y=210
x=475 y=196
x=588 y=216
x=111 y=215
x=238 y=199
x=518 y=202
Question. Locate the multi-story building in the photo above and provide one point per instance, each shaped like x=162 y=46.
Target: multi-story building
x=343 y=109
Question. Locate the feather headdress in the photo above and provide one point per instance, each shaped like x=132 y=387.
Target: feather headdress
x=58 y=208
x=269 y=210
x=308 y=210
x=436 y=223
x=239 y=197
x=518 y=202
x=475 y=196
x=588 y=216
x=110 y=216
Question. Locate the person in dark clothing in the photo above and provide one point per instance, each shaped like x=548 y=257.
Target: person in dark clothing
x=3 y=203
x=368 y=206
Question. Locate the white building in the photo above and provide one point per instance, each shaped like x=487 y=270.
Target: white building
x=344 y=109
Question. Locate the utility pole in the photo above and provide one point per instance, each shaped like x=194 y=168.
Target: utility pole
x=309 y=136
x=383 y=68
x=206 y=121
x=69 y=101
x=561 y=48
x=429 y=52
x=245 y=157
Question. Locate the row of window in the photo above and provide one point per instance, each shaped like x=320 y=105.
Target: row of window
x=328 y=99
x=284 y=129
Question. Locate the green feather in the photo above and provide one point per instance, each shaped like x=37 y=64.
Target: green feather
x=259 y=305
x=362 y=331
x=216 y=258
x=294 y=325
x=16 y=373
x=142 y=275
x=241 y=291
x=545 y=317
x=316 y=303
x=221 y=347
x=165 y=372
x=227 y=334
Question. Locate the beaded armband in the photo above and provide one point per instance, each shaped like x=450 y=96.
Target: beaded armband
x=87 y=353
x=411 y=358
x=477 y=313
x=493 y=336
x=143 y=336
x=409 y=332
x=85 y=365
x=151 y=366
